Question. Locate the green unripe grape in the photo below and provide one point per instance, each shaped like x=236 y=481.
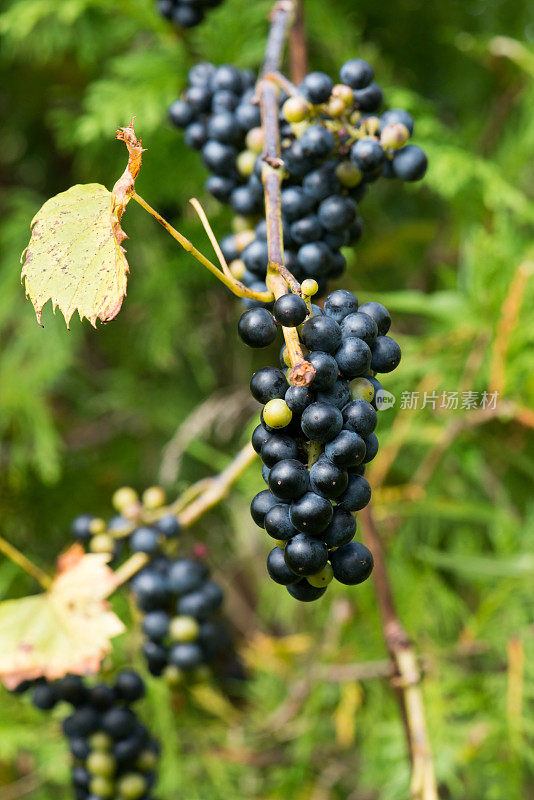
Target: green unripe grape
x=394 y=136
x=100 y=741
x=102 y=787
x=348 y=174
x=102 y=543
x=277 y=414
x=245 y=163
x=309 y=287
x=131 y=786
x=124 y=497
x=243 y=238
x=298 y=128
x=100 y=764
x=183 y=629
x=173 y=676
x=153 y=497
x=321 y=578
x=285 y=356
x=147 y=760
x=336 y=107
x=96 y=526
x=296 y=109
x=344 y=93
x=237 y=268
x=362 y=389
x=254 y=140
x=241 y=224
x=371 y=125
x=280 y=543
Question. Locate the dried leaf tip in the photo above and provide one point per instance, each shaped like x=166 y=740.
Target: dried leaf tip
x=124 y=187
x=135 y=150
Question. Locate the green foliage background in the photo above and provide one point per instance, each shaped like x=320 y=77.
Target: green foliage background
x=83 y=412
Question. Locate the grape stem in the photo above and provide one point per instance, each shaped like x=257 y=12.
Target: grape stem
x=217 y=488
x=235 y=286
x=24 y=563
x=278 y=276
x=286 y=85
x=407 y=674
x=213 y=239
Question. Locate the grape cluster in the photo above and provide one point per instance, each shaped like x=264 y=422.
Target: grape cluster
x=121 y=532
x=185 y=13
x=184 y=632
x=334 y=144
x=114 y=755
x=221 y=120
x=315 y=440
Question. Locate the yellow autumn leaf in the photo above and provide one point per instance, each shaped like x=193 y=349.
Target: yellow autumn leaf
x=66 y=629
x=75 y=256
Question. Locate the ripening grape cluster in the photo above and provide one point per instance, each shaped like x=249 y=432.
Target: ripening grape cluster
x=315 y=440
x=221 y=120
x=185 y=13
x=334 y=144
x=121 y=534
x=114 y=757
x=184 y=630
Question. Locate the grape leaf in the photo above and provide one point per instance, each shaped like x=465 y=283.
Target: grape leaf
x=75 y=256
x=66 y=629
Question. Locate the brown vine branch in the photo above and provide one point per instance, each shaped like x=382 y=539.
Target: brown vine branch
x=278 y=277
x=407 y=675
x=298 y=51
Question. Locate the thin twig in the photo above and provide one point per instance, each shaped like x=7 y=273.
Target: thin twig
x=407 y=675
x=222 y=413
x=213 y=239
x=24 y=563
